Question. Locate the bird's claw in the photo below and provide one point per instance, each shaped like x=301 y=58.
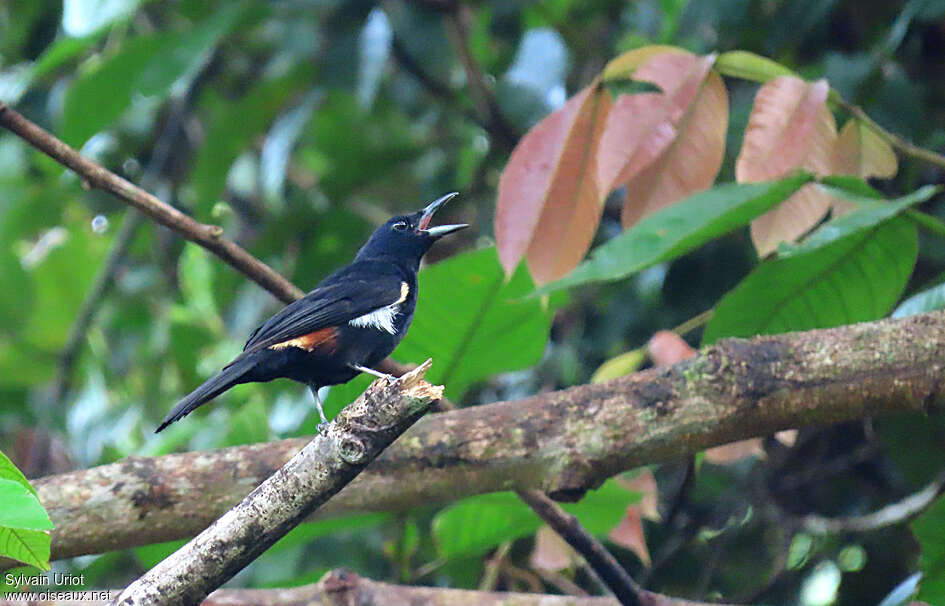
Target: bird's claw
x=321 y=427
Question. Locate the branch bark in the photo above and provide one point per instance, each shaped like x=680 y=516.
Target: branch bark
x=562 y=442
x=331 y=460
x=342 y=587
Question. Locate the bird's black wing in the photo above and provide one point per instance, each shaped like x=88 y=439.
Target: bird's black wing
x=329 y=305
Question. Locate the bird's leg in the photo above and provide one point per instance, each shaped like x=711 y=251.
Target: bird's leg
x=371 y=371
x=318 y=402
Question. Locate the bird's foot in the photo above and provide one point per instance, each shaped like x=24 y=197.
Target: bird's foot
x=321 y=427
x=374 y=373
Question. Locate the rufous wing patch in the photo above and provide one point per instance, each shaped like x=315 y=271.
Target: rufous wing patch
x=323 y=338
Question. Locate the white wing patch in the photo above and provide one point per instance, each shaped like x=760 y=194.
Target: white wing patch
x=383 y=318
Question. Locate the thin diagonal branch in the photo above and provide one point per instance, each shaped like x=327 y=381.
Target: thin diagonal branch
x=324 y=466
x=593 y=551
x=608 y=570
x=487 y=106
x=895 y=513
x=894 y=140
x=96 y=176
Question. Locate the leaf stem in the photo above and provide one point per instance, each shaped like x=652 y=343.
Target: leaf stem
x=927 y=222
x=908 y=149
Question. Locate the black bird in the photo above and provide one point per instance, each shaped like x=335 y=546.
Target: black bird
x=351 y=321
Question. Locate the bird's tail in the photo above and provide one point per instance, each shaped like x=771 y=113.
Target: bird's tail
x=211 y=388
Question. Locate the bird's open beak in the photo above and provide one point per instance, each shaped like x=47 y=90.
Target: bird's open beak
x=427 y=216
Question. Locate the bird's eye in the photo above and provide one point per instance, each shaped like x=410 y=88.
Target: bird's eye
x=400 y=225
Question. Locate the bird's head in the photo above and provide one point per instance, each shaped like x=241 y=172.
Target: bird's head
x=408 y=237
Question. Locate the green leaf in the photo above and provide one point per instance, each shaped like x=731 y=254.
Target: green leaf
x=16 y=302
x=146 y=65
x=749 y=66
x=19 y=507
x=911 y=441
x=9 y=471
x=677 y=229
x=248 y=425
x=927 y=300
x=27 y=546
x=928 y=530
x=196 y=283
x=855 y=186
x=475 y=525
x=233 y=127
x=306 y=533
x=61 y=52
x=852 y=269
x=60 y=279
x=151 y=555
x=473 y=323
x=619 y=366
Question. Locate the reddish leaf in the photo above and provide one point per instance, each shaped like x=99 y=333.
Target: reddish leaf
x=734 y=452
x=551 y=552
x=666 y=348
x=645 y=484
x=623 y=66
x=549 y=205
x=629 y=534
x=861 y=152
x=790 y=127
x=691 y=162
x=669 y=144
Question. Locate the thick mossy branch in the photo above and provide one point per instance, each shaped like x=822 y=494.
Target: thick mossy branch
x=563 y=442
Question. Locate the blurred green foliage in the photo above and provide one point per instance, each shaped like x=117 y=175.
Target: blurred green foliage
x=299 y=125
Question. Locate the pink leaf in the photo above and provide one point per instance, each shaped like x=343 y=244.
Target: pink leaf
x=789 y=128
x=690 y=162
x=666 y=348
x=629 y=534
x=549 y=203
x=863 y=153
x=682 y=130
x=734 y=452
x=551 y=552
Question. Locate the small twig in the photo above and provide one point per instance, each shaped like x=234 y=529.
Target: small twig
x=929 y=223
x=479 y=90
x=694 y=322
x=416 y=69
x=892 y=139
x=323 y=467
x=444 y=93
x=681 y=496
x=531 y=581
x=602 y=561
x=895 y=513
x=560 y=582
x=491 y=576
x=95 y=175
